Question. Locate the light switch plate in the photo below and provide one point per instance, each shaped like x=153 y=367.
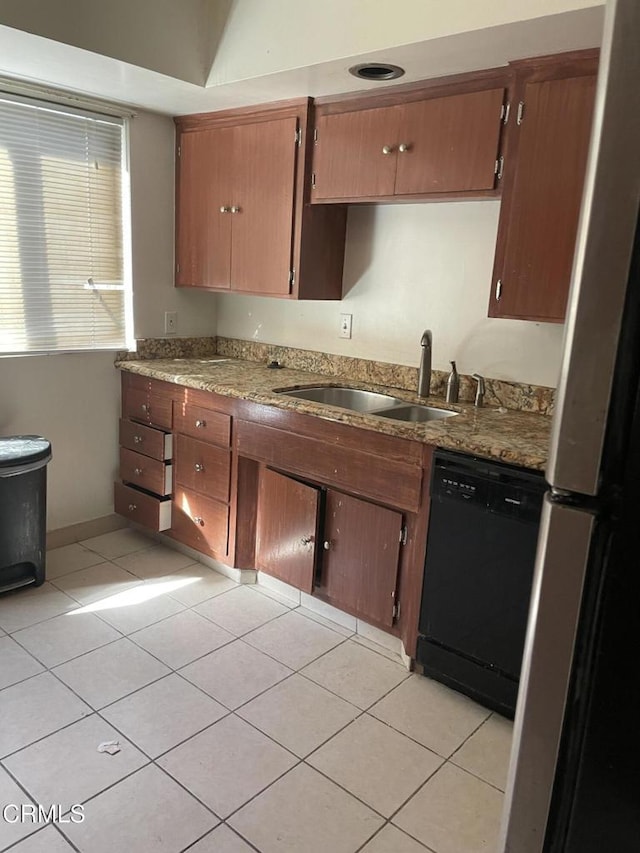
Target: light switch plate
x=345 y=325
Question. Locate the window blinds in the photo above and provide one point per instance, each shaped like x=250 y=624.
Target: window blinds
x=62 y=269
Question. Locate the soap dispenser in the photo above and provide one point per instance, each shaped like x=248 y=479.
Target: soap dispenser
x=453 y=384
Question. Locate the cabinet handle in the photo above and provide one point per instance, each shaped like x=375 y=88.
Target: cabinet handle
x=137 y=471
x=145 y=408
x=137 y=439
x=306 y=540
x=235 y=209
x=498 y=289
x=132 y=507
x=225 y=209
x=199 y=520
x=327 y=545
x=201 y=424
x=198 y=467
x=404 y=146
x=387 y=149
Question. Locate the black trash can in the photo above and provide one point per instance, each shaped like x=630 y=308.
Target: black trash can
x=23 y=505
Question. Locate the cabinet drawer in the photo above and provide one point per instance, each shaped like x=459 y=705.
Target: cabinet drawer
x=203 y=467
x=150 y=474
x=200 y=522
x=146 y=440
x=151 y=512
x=203 y=424
x=153 y=409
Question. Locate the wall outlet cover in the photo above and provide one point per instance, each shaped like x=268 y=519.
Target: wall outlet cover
x=170 y=322
x=345 y=325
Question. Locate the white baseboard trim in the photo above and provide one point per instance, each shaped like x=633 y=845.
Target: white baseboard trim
x=84 y=530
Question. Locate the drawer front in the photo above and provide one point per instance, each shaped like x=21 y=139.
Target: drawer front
x=203 y=467
x=150 y=474
x=152 y=409
x=154 y=513
x=200 y=522
x=203 y=424
x=146 y=440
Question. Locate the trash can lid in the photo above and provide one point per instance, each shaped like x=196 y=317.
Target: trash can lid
x=18 y=450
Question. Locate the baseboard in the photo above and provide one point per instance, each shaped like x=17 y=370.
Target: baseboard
x=84 y=530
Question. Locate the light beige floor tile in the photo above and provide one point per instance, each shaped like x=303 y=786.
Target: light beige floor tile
x=227 y=764
x=15 y=663
x=165 y=713
x=93 y=585
x=355 y=673
x=146 y=812
x=154 y=562
x=109 y=673
x=47 y=840
x=303 y=811
x=221 y=840
x=376 y=764
x=392 y=840
x=70 y=558
x=31 y=605
x=298 y=714
x=378 y=649
x=430 y=713
x=36 y=708
x=235 y=673
x=240 y=610
x=487 y=752
x=65 y=637
x=66 y=767
x=454 y=813
x=182 y=638
x=12 y=829
x=118 y=543
x=198 y=584
x=135 y=609
x=293 y=639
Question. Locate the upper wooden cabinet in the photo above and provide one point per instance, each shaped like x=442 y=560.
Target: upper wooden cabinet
x=547 y=143
x=241 y=220
x=442 y=145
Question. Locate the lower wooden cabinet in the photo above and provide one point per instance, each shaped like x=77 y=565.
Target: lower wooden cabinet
x=200 y=522
x=145 y=509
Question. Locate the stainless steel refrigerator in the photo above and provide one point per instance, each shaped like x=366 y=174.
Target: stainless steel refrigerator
x=574 y=779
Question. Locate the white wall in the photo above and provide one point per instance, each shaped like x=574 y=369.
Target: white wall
x=407 y=268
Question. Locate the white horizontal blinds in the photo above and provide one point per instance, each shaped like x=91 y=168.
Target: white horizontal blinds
x=62 y=282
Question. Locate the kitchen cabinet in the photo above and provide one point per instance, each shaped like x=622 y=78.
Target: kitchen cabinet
x=242 y=222
x=439 y=145
x=547 y=143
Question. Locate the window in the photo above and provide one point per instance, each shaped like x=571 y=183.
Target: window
x=64 y=282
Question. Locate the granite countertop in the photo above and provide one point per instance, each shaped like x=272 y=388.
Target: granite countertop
x=520 y=438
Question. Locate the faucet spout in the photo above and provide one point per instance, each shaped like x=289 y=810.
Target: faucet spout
x=424 y=376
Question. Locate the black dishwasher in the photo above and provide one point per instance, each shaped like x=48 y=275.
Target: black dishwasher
x=483 y=531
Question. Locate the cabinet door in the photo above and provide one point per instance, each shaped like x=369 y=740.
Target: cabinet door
x=449 y=144
x=349 y=159
x=361 y=554
x=541 y=204
x=262 y=222
x=287 y=529
x=203 y=202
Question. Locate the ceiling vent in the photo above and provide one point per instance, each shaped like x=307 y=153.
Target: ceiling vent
x=376 y=71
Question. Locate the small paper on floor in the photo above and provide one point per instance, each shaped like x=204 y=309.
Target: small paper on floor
x=110 y=746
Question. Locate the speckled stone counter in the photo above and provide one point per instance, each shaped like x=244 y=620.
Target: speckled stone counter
x=520 y=438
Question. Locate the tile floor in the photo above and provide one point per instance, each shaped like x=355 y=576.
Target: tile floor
x=243 y=724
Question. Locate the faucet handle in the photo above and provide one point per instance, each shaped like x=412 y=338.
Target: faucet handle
x=427 y=338
x=479 y=402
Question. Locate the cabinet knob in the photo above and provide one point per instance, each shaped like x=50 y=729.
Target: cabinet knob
x=235 y=209
x=137 y=471
x=132 y=507
x=387 y=149
x=404 y=146
x=201 y=424
x=137 y=439
x=198 y=467
x=145 y=407
x=199 y=520
x=225 y=209
x=306 y=540
x=327 y=545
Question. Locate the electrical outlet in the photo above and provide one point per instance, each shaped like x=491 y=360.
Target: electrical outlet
x=170 y=322
x=345 y=325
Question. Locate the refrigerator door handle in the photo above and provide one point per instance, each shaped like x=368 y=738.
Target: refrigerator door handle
x=561 y=562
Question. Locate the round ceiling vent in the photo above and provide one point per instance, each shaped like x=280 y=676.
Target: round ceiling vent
x=376 y=71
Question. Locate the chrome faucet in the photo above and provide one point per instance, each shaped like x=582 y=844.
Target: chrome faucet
x=479 y=403
x=424 y=376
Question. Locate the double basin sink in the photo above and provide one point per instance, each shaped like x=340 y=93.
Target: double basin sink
x=370 y=403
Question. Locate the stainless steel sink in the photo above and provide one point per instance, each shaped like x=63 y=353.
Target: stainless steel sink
x=416 y=414
x=345 y=398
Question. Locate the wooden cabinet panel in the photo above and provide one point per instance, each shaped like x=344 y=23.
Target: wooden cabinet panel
x=200 y=522
x=541 y=199
x=203 y=424
x=150 y=512
x=150 y=474
x=361 y=556
x=263 y=193
x=203 y=467
x=146 y=440
x=287 y=529
x=139 y=405
x=449 y=144
x=349 y=159
x=203 y=205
